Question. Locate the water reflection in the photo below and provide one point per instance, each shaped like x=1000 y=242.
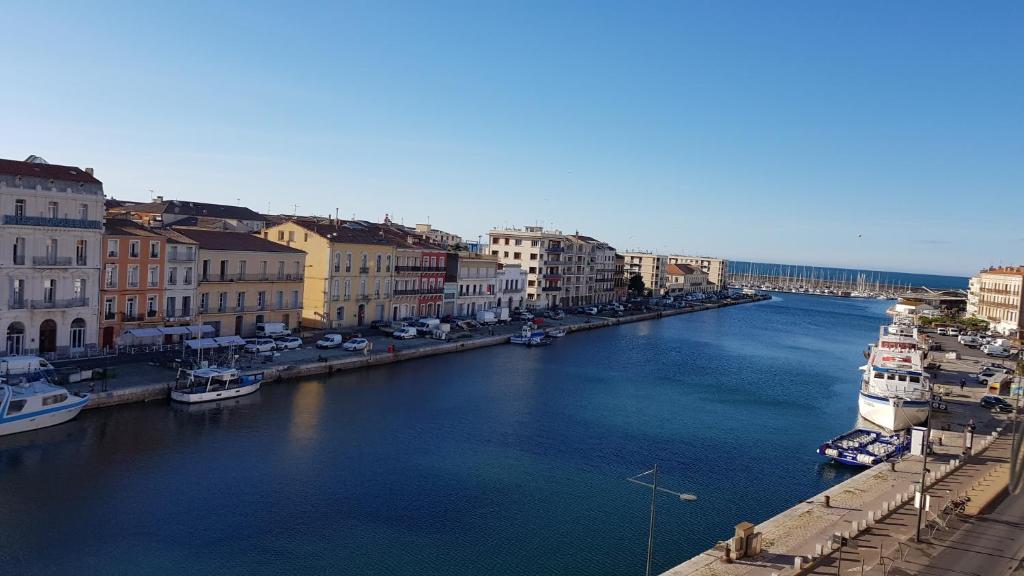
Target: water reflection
x=306 y=407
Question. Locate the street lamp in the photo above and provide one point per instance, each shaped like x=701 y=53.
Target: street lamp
x=654 y=497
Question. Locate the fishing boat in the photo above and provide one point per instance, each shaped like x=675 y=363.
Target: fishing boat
x=556 y=332
x=34 y=404
x=213 y=383
x=863 y=447
x=895 y=390
x=530 y=337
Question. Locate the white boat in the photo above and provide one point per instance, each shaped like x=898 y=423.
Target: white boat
x=530 y=337
x=895 y=390
x=213 y=383
x=556 y=332
x=36 y=404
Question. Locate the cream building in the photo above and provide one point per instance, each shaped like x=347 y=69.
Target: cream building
x=651 y=267
x=685 y=279
x=477 y=283
x=717 y=269
x=995 y=295
x=51 y=231
x=245 y=280
x=511 y=286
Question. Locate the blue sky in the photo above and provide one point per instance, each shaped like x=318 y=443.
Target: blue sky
x=884 y=135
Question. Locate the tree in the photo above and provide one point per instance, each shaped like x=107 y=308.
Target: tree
x=636 y=285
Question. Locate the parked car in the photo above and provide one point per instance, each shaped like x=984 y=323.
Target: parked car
x=272 y=330
x=255 y=345
x=404 y=333
x=990 y=373
x=356 y=344
x=995 y=350
x=996 y=403
x=288 y=343
x=591 y=310
x=942 y=331
x=524 y=315
x=954 y=331
x=329 y=341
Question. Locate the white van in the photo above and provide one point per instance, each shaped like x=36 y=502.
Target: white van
x=272 y=330
x=426 y=326
x=486 y=317
x=995 y=350
x=14 y=368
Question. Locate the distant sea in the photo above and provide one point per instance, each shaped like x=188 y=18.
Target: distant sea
x=901 y=278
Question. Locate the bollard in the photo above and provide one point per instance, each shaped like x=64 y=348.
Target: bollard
x=853 y=526
x=828 y=501
x=817 y=550
x=798 y=563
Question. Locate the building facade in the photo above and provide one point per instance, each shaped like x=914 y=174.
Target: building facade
x=180 y=281
x=511 y=286
x=717 y=269
x=162 y=213
x=651 y=267
x=477 y=282
x=684 y=279
x=245 y=280
x=995 y=296
x=52 y=229
x=620 y=287
x=132 y=291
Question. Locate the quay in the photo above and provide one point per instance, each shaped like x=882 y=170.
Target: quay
x=308 y=361
x=875 y=511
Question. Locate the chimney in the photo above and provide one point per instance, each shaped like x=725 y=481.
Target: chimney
x=89 y=171
x=159 y=198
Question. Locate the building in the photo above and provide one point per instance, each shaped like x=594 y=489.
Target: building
x=651 y=267
x=132 y=291
x=419 y=274
x=477 y=278
x=595 y=272
x=511 y=286
x=717 y=269
x=160 y=212
x=995 y=296
x=438 y=237
x=620 y=287
x=180 y=282
x=51 y=231
x=349 y=275
x=683 y=279
x=245 y=280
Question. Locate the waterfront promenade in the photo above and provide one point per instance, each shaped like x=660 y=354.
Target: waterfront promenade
x=875 y=509
x=142 y=382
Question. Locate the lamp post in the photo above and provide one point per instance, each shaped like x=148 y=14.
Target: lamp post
x=924 y=461
x=654 y=498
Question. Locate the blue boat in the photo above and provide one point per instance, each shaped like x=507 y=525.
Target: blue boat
x=863 y=447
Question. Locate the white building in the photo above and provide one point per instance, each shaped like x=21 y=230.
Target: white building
x=996 y=295
x=651 y=267
x=511 y=287
x=180 y=287
x=477 y=278
x=684 y=279
x=717 y=269
x=52 y=229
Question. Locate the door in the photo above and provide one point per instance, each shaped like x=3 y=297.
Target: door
x=108 y=337
x=362 y=315
x=238 y=325
x=48 y=337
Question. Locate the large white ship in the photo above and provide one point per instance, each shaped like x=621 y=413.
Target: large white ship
x=895 y=391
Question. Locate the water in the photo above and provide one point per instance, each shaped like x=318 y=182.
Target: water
x=871 y=276
x=501 y=461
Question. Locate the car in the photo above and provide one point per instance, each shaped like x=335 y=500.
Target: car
x=288 y=343
x=379 y=324
x=555 y=314
x=256 y=345
x=524 y=315
x=953 y=331
x=404 y=333
x=995 y=351
x=356 y=344
x=986 y=375
x=329 y=341
x=591 y=310
x=996 y=403
x=942 y=331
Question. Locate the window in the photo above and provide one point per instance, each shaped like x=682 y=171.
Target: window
x=188 y=275
x=291 y=236
x=186 y=305
x=517 y=255
x=362 y=263
x=172 y=275
x=337 y=262
x=51 y=250
x=222 y=301
x=376 y=288
x=339 y=314
x=19 y=251
x=533 y=256
x=83 y=211
x=52 y=210
x=129 y=307
x=280 y=270
x=387 y=267
x=280 y=235
x=154 y=276
x=204 y=302
x=111 y=276
x=263 y=270
x=133 y=276
x=280 y=299
x=154 y=249
x=54 y=399
x=305 y=236
x=81 y=251
x=108 y=308
x=170 y=306
x=151 y=306
x=335 y=288
x=19 y=207
x=348 y=262
x=49 y=290
x=241 y=269
x=133 y=249
x=78 y=288
x=362 y=287
x=348 y=288
x=261 y=299
x=380 y=260
x=240 y=301
x=295 y=299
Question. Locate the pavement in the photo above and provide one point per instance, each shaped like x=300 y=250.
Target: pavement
x=804 y=530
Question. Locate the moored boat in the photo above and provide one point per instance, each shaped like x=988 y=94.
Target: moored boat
x=556 y=332
x=36 y=404
x=530 y=337
x=214 y=383
x=863 y=447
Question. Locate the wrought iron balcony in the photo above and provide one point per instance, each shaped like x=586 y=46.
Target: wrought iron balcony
x=181 y=258
x=62 y=303
x=212 y=278
x=364 y=269
x=555 y=249
x=51 y=260
x=406 y=269
x=17 y=304
x=13 y=220
x=551 y=289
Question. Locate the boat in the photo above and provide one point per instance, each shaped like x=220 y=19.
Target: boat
x=34 y=404
x=863 y=447
x=556 y=332
x=531 y=337
x=213 y=383
x=895 y=390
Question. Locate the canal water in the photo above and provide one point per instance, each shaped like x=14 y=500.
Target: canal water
x=503 y=461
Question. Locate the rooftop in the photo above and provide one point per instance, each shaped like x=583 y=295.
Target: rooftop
x=1005 y=270
x=38 y=168
x=681 y=269
x=189 y=208
x=233 y=241
x=125 y=227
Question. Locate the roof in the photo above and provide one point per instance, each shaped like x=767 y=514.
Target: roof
x=188 y=208
x=1006 y=271
x=345 y=231
x=233 y=241
x=125 y=227
x=47 y=171
x=173 y=236
x=681 y=270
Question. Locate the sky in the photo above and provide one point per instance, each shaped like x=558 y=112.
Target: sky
x=879 y=135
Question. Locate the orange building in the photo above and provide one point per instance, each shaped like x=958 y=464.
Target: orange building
x=132 y=287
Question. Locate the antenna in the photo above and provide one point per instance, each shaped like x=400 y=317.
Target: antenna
x=295 y=209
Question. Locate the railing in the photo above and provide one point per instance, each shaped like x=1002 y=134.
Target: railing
x=550 y=276
x=62 y=303
x=19 y=260
x=51 y=260
x=212 y=278
x=435 y=269
x=11 y=219
x=17 y=304
x=400 y=269
x=364 y=269
x=180 y=258
x=252 y=308
x=182 y=318
x=423 y=291
x=363 y=298
x=555 y=249
x=551 y=289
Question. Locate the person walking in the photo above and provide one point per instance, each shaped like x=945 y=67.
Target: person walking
x=963 y=382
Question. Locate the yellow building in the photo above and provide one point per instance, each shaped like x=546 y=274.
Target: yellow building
x=350 y=265
x=245 y=280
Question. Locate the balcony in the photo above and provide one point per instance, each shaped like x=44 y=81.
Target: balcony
x=62 y=303
x=406 y=269
x=555 y=250
x=181 y=258
x=421 y=291
x=434 y=269
x=364 y=269
x=551 y=289
x=363 y=298
x=555 y=276
x=17 y=304
x=12 y=220
x=51 y=260
x=214 y=278
x=183 y=318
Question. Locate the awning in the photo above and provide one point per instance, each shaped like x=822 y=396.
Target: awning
x=173 y=330
x=230 y=341
x=204 y=343
x=144 y=332
x=195 y=329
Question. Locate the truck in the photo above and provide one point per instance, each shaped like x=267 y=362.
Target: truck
x=486 y=317
x=502 y=315
x=272 y=330
x=426 y=326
